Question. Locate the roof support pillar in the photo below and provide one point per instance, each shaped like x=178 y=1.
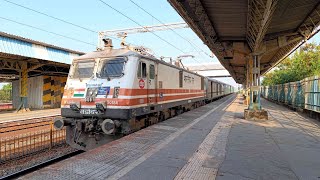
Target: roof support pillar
x=23 y=88
x=255 y=84
x=254 y=111
x=248 y=80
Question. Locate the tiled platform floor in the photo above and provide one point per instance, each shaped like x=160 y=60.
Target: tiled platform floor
x=211 y=142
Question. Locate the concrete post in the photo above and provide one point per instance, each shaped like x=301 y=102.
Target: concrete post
x=255 y=85
x=258 y=84
x=248 y=81
x=254 y=111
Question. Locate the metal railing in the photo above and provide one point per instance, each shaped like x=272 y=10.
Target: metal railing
x=304 y=94
x=30 y=141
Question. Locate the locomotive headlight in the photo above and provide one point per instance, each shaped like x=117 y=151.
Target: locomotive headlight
x=90 y=92
x=116 y=92
x=95 y=92
x=74 y=107
x=100 y=106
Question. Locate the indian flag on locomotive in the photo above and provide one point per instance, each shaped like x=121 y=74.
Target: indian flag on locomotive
x=79 y=93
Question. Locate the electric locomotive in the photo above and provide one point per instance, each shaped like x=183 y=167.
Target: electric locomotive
x=114 y=92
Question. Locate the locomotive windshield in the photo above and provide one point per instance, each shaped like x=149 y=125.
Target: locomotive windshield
x=83 y=69
x=112 y=67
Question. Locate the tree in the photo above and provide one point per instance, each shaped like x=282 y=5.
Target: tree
x=5 y=93
x=305 y=62
x=7 y=87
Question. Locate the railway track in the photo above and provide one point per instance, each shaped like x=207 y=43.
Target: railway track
x=24 y=124
x=23 y=137
x=41 y=165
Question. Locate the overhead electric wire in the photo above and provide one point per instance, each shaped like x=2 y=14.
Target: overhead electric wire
x=51 y=16
x=192 y=44
x=87 y=29
x=58 y=19
x=140 y=25
x=40 y=29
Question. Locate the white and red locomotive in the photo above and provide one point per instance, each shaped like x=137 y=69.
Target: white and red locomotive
x=114 y=92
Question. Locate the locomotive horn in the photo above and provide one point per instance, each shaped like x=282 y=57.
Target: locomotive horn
x=107 y=42
x=109 y=126
x=59 y=123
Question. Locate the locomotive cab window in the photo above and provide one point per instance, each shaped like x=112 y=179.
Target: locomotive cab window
x=83 y=69
x=113 y=67
x=142 y=70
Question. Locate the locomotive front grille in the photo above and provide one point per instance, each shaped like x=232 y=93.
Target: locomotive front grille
x=90 y=99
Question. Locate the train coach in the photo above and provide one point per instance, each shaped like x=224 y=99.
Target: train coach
x=113 y=92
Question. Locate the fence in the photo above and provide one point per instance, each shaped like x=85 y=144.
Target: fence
x=304 y=94
x=27 y=141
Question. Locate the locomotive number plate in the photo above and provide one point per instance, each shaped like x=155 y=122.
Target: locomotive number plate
x=88 y=111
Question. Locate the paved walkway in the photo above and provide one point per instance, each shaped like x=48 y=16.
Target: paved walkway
x=210 y=142
x=285 y=147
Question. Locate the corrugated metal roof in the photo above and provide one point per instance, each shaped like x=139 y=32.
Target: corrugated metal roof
x=229 y=18
x=289 y=14
x=60 y=55
x=229 y=27
x=11 y=36
x=16 y=45
x=205 y=67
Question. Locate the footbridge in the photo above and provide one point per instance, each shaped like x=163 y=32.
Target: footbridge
x=210 y=70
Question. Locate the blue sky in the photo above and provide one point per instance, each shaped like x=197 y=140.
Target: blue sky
x=94 y=15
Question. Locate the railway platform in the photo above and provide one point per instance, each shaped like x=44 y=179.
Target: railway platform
x=210 y=142
x=34 y=114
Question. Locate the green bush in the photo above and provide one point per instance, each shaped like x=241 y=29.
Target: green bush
x=6 y=93
x=305 y=62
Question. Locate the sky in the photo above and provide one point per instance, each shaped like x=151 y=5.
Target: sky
x=94 y=15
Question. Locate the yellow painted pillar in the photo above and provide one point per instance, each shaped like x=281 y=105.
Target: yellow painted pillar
x=24 y=80
x=23 y=87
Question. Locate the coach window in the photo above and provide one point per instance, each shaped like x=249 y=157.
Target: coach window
x=217 y=89
x=180 y=79
x=202 y=83
x=152 y=71
x=142 y=70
